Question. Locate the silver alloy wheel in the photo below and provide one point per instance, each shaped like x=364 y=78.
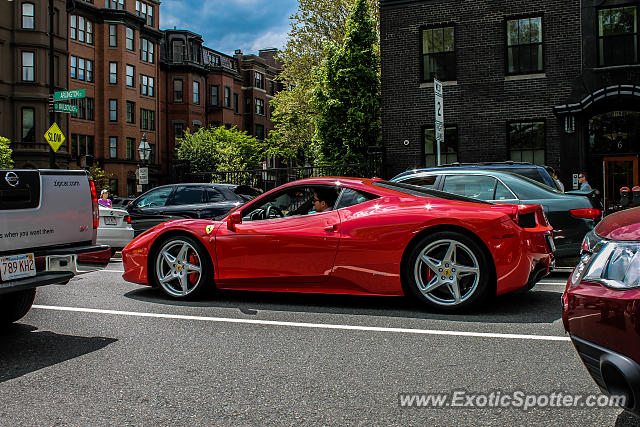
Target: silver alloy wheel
x=178 y=268
x=447 y=272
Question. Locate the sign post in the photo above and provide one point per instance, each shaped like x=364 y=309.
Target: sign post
x=439 y=121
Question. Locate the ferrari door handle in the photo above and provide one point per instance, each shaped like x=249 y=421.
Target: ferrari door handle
x=333 y=227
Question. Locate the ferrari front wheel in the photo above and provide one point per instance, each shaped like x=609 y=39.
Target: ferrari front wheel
x=448 y=271
x=181 y=267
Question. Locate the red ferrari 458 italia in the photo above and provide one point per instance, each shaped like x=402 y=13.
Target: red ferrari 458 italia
x=351 y=236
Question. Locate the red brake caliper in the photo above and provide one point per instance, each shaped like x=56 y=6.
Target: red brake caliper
x=193 y=259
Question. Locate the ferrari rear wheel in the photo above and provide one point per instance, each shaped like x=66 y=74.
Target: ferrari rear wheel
x=181 y=267
x=448 y=271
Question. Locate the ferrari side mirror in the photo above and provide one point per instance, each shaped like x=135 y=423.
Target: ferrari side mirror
x=233 y=219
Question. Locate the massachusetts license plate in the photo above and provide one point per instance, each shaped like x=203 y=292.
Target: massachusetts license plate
x=17 y=266
x=110 y=220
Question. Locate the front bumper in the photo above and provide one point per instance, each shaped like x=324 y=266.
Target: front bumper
x=58 y=266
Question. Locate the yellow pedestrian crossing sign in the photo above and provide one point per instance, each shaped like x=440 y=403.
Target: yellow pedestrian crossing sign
x=54 y=136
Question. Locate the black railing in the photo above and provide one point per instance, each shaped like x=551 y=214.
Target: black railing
x=267 y=179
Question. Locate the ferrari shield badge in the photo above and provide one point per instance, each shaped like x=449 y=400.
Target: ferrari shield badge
x=209 y=229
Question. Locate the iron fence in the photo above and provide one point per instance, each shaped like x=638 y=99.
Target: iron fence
x=267 y=179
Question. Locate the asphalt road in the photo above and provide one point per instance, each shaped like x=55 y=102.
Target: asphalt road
x=101 y=351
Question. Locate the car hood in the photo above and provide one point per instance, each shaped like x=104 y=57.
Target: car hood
x=623 y=225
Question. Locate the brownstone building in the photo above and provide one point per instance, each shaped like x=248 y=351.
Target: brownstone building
x=24 y=79
x=114 y=56
x=204 y=87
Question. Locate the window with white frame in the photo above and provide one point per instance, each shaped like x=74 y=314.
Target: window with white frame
x=259 y=80
x=146 y=50
x=113 y=147
x=130 y=76
x=113 y=110
x=113 y=35
x=113 y=72
x=28 y=16
x=196 y=92
x=146 y=85
x=28 y=67
x=129 y=38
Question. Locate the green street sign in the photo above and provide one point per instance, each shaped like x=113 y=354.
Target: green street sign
x=68 y=94
x=65 y=108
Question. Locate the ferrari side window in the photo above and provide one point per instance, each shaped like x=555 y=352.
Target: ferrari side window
x=351 y=197
x=293 y=201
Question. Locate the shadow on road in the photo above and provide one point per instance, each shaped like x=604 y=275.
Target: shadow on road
x=24 y=349
x=531 y=307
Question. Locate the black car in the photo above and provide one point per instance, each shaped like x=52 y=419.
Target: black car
x=202 y=200
x=572 y=215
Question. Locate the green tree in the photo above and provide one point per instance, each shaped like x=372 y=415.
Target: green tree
x=315 y=23
x=5 y=153
x=347 y=93
x=100 y=177
x=219 y=149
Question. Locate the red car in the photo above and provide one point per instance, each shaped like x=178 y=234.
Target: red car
x=380 y=238
x=601 y=305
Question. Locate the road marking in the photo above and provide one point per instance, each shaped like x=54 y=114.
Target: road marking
x=306 y=325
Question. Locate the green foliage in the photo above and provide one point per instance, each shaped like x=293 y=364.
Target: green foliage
x=347 y=93
x=315 y=23
x=219 y=149
x=100 y=177
x=5 y=153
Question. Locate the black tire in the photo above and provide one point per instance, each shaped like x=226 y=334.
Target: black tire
x=456 y=283
x=16 y=305
x=181 y=281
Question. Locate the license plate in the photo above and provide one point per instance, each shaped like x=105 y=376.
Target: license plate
x=110 y=220
x=17 y=266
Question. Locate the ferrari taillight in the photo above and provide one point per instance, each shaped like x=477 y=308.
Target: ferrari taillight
x=590 y=213
x=94 y=203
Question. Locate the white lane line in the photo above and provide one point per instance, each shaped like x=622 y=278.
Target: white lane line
x=110 y=271
x=306 y=325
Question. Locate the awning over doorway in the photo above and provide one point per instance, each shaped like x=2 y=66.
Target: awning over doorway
x=609 y=92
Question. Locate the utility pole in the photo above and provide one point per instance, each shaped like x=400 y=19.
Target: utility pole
x=52 y=114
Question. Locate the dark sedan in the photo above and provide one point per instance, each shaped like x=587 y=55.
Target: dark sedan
x=570 y=215
x=175 y=201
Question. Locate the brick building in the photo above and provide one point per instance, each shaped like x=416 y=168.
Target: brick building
x=24 y=79
x=203 y=87
x=546 y=81
x=113 y=55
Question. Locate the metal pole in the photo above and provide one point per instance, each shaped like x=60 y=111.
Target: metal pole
x=52 y=114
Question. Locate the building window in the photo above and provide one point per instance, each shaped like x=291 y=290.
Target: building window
x=131 y=112
x=89 y=70
x=247 y=106
x=196 y=126
x=115 y=4
x=146 y=85
x=260 y=106
x=82 y=65
x=91 y=109
x=524 y=45
x=146 y=11
x=28 y=67
x=28 y=125
x=178 y=130
x=177 y=90
x=448 y=149
x=113 y=110
x=618 y=36
x=131 y=146
x=227 y=97
x=81 y=145
x=113 y=35
x=260 y=132
x=236 y=107
x=28 y=16
x=259 y=80
x=196 y=92
x=272 y=88
x=526 y=142
x=214 y=95
x=438 y=54
x=146 y=50
x=178 y=50
x=129 y=36
x=147 y=119
x=73 y=65
x=150 y=15
x=130 y=76
x=73 y=27
x=81 y=69
x=89 y=32
x=81 y=28
x=113 y=72
x=113 y=147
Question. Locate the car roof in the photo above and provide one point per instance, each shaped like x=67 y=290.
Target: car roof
x=467 y=171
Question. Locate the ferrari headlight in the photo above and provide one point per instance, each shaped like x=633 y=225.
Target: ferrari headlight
x=616 y=265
